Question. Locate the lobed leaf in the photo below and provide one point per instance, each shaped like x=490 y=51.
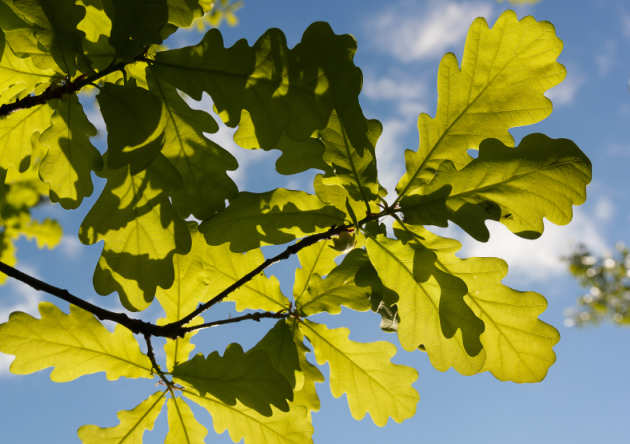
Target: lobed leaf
x=183 y=428
x=19 y=136
x=542 y=177
x=249 y=377
x=505 y=71
x=133 y=424
x=243 y=423
x=74 y=344
x=364 y=372
x=271 y=218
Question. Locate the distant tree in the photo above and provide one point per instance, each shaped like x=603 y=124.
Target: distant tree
x=176 y=228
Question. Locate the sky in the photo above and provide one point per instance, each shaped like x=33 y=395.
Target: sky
x=586 y=394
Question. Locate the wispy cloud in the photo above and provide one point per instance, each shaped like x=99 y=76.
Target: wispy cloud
x=539 y=259
x=70 y=246
x=566 y=92
x=605 y=59
x=389 y=154
x=409 y=94
x=410 y=34
x=625 y=24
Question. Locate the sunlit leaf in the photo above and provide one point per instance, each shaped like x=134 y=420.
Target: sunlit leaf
x=504 y=74
x=75 y=344
x=542 y=177
x=133 y=424
x=19 y=136
x=243 y=423
x=365 y=373
x=183 y=428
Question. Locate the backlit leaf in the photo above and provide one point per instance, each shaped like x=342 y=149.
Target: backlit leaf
x=183 y=428
x=75 y=344
x=133 y=424
x=504 y=73
x=19 y=136
x=542 y=177
x=365 y=373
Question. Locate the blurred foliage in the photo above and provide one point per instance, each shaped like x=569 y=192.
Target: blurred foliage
x=607 y=279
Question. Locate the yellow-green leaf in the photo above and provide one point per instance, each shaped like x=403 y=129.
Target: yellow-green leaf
x=183 y=427
x=133 y=424
x=504 y=74
x=244 y=423
x=75 y=344
x=19 y=135
x=365 y=373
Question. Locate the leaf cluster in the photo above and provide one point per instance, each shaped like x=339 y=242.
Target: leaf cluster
x=176 y=228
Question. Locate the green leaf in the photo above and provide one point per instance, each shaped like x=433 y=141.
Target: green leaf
x=183 y=428
x=96 y=23
x=279 y=346
x=70 y=156
x=75 y=344
x=352 y=169
x=340 y=287
x=365 y=373
x=271 y=218
x=279 y=95
x=505 y=71
x=135 y=120
x=181 y=13
x=136 y=24
x=20 y=77
x=249 y=377
x=517 y=346
x=141 y=232
x=19 y=136
x=431 y=306
x=133 y=424
x=542 y=177
x=305 y=393
x=243 y=423
x=316 y=260
x=201 y=163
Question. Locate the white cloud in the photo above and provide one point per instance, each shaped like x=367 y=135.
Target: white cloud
x=605 y=59
x=625 y=24
x=5 y=362
x=414 y=35
x=389 y=154
x=539 y=259
x=70 y=246
x=410 y=94
x=566 y=92
x=604 y=209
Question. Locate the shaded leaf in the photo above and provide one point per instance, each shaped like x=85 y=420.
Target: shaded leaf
x=274 y=217
x=542 y=177
x=279 y=346
x=249 y=377
x=183 y=428
x=133 y=424
x=365 y=373
x=75 y=344
x=70 y=156
x=505 y=71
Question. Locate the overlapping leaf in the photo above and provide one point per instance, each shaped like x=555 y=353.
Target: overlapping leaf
x=249 y=377
x=19 y=136
x=70 y=157
x=505 y=71
x=341 y=287
x=364 y=372
x=274 y=217
x=542 y=177
x=141 y=231
x=183 y=428
x=243 y=423
x=201 y=163
x=517 y=346
x=431 y=305
x=75 y=344
x=280 y=96
x=133 y=424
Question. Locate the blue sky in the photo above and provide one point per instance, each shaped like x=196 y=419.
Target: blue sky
x=586 y=395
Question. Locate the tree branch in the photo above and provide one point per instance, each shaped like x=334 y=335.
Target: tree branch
x=59 y=90
x=154 y=364
x=257 y=316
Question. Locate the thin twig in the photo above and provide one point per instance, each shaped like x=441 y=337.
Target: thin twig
x=154 y=364
x=253 y=316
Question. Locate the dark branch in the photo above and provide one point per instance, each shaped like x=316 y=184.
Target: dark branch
x=253 y=316
x=56 y=91
x=154 y=364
